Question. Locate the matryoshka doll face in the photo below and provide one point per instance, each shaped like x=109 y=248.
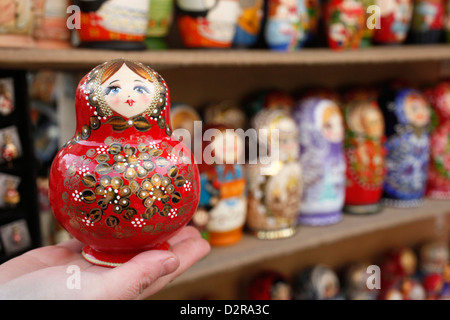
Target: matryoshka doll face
x=373 y=122
x=332 y=127
x=416 y=110
x=281 y=290
x=127 y=92
x=288 y=137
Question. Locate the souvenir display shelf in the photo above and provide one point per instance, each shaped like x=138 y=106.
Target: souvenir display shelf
x=210 y=72
x=86 y=58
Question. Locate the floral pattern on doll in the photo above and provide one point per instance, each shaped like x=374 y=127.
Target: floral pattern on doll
x=94 y=183
x=364 y=140
x=408 y=148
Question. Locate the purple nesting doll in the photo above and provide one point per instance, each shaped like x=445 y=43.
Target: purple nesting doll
x=322 y=159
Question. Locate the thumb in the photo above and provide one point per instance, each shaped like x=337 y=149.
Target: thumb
x=130 y=279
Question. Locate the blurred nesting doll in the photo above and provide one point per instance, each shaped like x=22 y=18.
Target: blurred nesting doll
x=364 y=155
x=433 y=258
x=446 y=26
x=319 y=282
x=223 y=183
x=11 y=196
x=248 y=23
x=227 y=113
x=207 y=24
x=113 y=24
x=183 y=119
x=275 y=181
x=355 y=283
x=17 y=20
x=269 y=99
x=369 y=24
x=438 y=184
x=314 y=9
x=395 y=21
x=322 y=159
x=286 y=24
x=427 y=21
x=159 y=22
x=407 y=116
x=344 y=23
x=9 y=150
x=270 y=285
x=398 y=265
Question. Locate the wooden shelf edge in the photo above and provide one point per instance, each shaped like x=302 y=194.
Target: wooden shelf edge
x=74 y=58
x=250 y=249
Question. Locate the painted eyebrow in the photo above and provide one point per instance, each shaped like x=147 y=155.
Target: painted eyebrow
x=138 y=81
x=113 y=81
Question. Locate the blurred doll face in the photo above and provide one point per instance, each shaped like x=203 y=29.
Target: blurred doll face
x=416 y=110
x=332 y=128
x=228 y=148
x=127 y=93
x=373 y=123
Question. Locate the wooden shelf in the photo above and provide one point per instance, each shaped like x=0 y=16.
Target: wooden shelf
x=251 y=249
x=86 y=58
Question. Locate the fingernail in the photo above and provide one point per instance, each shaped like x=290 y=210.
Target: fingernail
x=169 y=265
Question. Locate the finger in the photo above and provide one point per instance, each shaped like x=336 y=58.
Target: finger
x=184 y=233
x=189 y=251
x=129 y=280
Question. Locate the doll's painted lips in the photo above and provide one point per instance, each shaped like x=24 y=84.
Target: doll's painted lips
x=130 y=102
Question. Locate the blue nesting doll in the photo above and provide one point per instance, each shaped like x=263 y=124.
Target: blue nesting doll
x=407 y=115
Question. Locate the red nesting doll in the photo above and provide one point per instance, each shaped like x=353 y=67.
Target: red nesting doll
x=122 y=184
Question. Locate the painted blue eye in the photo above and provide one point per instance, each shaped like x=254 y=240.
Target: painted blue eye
x=112 y=90
x=141 y=89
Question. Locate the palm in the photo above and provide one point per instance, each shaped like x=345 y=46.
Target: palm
x=50 y=272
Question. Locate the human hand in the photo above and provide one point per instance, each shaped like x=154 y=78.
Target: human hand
x=43 y=273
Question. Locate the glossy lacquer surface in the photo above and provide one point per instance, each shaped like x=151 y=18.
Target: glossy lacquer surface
x=123 y=184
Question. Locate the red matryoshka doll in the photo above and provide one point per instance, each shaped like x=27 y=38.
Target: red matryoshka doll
x=319 y=282
x=207 y=24
x=270 y=285
x=397 y=266
x=113 y=24
x=395 y=21
x=344 y=23
x=275 y=180
x=427 y=21
x=438 y=183
x=223 y=183
x=433 y=284
x=120 y=185
x=364 y=155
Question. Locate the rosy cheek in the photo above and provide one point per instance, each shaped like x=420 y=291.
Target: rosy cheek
x=114 y=101
x=144 y=99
